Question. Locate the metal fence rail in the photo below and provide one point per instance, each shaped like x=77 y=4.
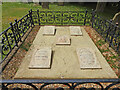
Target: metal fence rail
x=108 y=30
x=70 y=84
x=12 y=36
x=60 y=17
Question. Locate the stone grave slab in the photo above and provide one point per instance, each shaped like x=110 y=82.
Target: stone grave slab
x=65 y=63
x=75 y=31
x=63 y=40
x=41 y=58
x=49 y=30
x=87 y=58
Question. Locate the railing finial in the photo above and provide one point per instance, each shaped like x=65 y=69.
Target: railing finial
x=15 y=20
x=10 y=23
x=117 y=24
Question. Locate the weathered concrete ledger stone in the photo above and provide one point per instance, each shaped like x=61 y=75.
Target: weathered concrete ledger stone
x=49 y=30
x=75 y=31
x=65 y=39
x=41 y=58
x=87 y=58
x=65 y=63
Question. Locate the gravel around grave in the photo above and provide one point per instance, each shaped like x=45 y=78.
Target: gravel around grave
x=16 y=61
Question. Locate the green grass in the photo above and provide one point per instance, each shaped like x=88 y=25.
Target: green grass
x=24 y=47
x=109 y=59
x=100 y=42
x=16 y=10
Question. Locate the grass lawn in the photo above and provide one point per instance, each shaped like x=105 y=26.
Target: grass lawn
x=16 y=10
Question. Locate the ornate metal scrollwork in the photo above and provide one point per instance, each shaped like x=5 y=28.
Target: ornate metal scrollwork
x=63 y=84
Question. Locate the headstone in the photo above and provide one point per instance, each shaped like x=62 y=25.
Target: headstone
x=63 y=40
x=49 y=30
x=41 y=58
x=87 y=58
x=75 y=31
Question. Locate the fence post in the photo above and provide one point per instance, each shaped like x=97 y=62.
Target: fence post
x=38 y=17
x=16 y=43
x=30 y=13
x=118 y=45
x=62 y=17
x=108 y=30
x=7 y=40
x=18 y=30
x=1 y=50
x=113 y=35
x=85 y=16
x=93 y=16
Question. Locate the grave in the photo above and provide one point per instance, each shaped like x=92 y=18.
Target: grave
x=49 y=30
x=64 y=63
x=41 y=58
x=87 y=58
x=75 y=31
x=63 y=40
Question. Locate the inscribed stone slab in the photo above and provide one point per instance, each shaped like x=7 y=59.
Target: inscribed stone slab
x=75 y=31
x=87 y=58
x=41 y=58
x=65 y=39
x=49 y=30
x=65 y=63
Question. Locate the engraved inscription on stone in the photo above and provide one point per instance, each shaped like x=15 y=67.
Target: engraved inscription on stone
x=41 y=55
x=87 y=58
x=75 y=31
x=41 y=58
x=63 y=40
x=49 y=30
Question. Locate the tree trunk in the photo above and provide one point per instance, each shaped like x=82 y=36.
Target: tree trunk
x=0 y=2
x=60 y=3
x=45 y=5
x=118 y=7
x=100 y=6
x=81 y=3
